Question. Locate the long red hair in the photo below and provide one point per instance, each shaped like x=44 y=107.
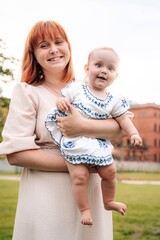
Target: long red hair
x=31 y=71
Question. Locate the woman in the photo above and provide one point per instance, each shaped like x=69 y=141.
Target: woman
x=45 y=207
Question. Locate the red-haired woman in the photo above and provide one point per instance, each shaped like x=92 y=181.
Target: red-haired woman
x=45 y=207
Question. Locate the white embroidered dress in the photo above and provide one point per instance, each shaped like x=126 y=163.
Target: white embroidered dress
x=83 y=149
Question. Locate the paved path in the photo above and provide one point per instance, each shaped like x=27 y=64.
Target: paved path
x=17 y=178
x=157 y=182
x=10 y=178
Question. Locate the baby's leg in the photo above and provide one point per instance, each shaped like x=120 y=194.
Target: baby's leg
x=80 y=175
x=108 y=183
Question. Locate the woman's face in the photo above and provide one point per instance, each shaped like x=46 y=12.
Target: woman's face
x=52 y=55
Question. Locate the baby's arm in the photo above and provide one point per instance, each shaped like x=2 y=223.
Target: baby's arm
x=63 y=104
x=127 y=125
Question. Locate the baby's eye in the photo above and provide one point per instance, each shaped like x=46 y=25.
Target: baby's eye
x=111 y=69
x=98 y=65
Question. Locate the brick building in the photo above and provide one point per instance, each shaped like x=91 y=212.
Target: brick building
x=147 y=121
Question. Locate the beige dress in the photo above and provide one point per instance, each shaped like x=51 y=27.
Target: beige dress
x=46 y=209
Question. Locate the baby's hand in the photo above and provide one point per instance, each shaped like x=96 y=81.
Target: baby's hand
x=136 y=140
x=63 y=104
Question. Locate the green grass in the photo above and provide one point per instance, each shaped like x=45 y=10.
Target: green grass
x=141 y=222
x=8 y=201
x=10 y=173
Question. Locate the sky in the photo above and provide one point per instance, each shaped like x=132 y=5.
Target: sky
x=131 y=27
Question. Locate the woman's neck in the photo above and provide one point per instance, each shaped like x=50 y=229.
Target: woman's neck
x=54 y=87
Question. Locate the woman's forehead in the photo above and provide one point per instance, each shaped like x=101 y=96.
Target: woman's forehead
x=47 y=36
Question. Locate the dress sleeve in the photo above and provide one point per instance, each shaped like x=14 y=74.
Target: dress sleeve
x=121 y=106
x=19 y=130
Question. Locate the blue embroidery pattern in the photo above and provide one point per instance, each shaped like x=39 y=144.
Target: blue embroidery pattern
x=84 y=158
x=69 y=144
x=51 y=117
x=124 y=103
x=90 y=112
x=99 y=102
x=102 y=143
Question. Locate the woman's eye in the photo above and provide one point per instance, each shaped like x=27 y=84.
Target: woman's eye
x=58 y=42
x=43 y=45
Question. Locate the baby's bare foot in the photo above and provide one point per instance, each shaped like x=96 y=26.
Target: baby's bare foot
x=86 y=218
x=117 y=206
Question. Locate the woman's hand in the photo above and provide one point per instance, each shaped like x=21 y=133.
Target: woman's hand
x=72 y=125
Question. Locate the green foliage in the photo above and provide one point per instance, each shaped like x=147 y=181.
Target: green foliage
x=7 y=63
x=7 y=71
x=8 y=66
x=4 y=105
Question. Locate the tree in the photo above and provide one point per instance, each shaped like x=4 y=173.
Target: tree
x=7 y=63
x=8 y=66
x=4 y=105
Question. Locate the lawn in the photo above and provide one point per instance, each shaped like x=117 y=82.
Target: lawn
x=142 y=221
x=8 y=200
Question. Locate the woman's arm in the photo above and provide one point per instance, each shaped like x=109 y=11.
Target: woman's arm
x=75 y=124
x=39 y=160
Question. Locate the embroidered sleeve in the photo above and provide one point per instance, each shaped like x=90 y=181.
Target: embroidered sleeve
x=121 y=106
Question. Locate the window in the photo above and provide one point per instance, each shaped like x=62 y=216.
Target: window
x=155 y=142
x=155 y=158
x=142 y=114
x=155 y=127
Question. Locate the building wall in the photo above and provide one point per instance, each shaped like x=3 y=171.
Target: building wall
x=147 y=121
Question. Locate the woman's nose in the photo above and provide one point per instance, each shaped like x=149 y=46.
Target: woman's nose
x=53 y=50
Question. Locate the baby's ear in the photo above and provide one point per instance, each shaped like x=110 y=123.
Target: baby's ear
x=86 y=68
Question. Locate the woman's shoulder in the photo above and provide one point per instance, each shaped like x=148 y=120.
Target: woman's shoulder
x=25 y=91
x=23 y=86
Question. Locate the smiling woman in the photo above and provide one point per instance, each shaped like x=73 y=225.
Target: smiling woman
x=46 y=208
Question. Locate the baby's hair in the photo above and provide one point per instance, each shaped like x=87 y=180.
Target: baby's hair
x=103 y=48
